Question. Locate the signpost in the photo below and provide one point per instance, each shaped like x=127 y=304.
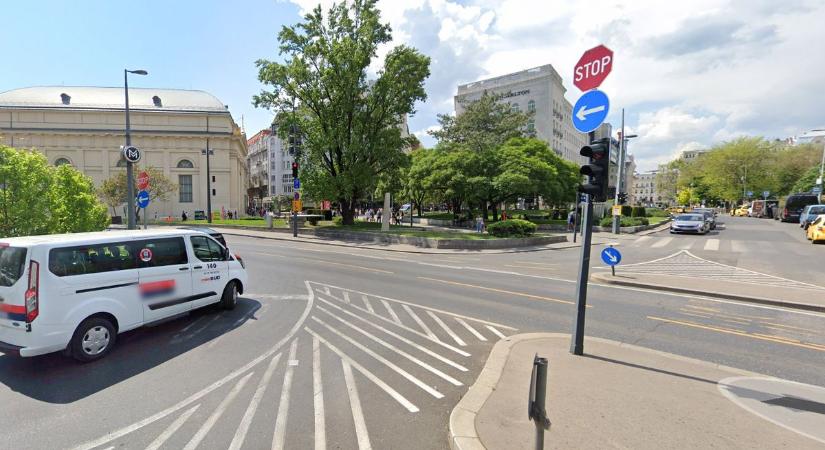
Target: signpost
x=612 y=258
x=593 y=67
x=590 y=111
x=143 y=181
x=750 y=194
x=766 y=194
x=143 y=199
x=617 y=210
x=131 y=154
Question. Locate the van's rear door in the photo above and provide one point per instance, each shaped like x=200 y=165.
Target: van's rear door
x=13 y=285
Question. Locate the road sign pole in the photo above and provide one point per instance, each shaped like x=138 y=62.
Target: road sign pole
x=577 y=341
x=617 y=220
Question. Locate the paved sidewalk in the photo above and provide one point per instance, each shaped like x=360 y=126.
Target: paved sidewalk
x=790 y=294
x=622 y=396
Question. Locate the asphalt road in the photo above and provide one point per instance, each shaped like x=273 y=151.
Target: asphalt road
x=356 y=347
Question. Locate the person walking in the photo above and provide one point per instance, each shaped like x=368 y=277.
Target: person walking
x=571 y=220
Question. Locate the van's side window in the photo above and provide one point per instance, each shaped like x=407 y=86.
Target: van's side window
x=95 y=258
x=165 y=252
x=206 y=249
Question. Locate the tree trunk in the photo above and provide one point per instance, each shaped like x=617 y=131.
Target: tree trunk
x=484 y=210
x=348 y=211
x=495 y=211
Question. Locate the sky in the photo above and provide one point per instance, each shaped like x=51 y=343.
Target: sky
x=688 y=74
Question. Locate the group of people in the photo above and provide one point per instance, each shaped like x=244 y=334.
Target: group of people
x=375 y=215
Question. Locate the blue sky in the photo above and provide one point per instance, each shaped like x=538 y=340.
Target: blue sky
x=689 y=74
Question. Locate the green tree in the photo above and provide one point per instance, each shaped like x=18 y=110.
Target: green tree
x=75 y=207
x=807 y=181
x=350 y=126
x=417 y=181
x=529 y=168
x=685 y=197
x=113 y=190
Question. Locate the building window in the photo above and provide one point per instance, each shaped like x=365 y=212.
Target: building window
x=214 y=193
x=213 y=178
x=531 y=106
x=514 y=107
x=62 y=161
x=185 y=164
x=531 y=126
x=185 y=188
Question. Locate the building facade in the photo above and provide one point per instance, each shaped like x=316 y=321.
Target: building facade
x=538 y=91
x=270 y=165
x=644 y=189
x=257 y=162
x=84 y=127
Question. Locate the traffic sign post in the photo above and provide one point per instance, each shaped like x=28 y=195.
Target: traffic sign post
x=143 y=181
x=593 y=67
x=142 y=202
x=612 y=258
x=590 y=111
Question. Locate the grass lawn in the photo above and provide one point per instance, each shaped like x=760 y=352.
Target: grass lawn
x=655 y=220
x=404 y=230
x=257 y=222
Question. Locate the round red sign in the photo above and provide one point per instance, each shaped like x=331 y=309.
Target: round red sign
x=593 y=67
x=145 y=255
x=143 y=181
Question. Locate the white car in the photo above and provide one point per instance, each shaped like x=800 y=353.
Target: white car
x=76 y=292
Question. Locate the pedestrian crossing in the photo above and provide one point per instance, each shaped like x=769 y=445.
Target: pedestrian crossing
x=349 y=350
x=706 y=244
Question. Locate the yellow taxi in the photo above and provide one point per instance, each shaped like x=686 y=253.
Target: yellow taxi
x=676 y=209
x=816 y=230
x=741 y=211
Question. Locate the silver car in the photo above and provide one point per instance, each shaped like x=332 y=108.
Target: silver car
x=690 y=223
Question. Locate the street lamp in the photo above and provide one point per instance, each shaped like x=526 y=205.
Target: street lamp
x=620 y=174
x=130 y=176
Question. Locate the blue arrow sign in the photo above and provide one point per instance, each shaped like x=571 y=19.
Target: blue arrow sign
x=611 y=256
x=143 y=199
x=590 y=110
x=296 y=184
x=817 y=190
x=750 y=193
x=766 y=194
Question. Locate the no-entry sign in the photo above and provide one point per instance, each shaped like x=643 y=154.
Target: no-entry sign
x=593 y=67
x=143 y=181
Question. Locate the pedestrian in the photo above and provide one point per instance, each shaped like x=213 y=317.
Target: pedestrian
x=571 y=220
x=479 y=221
x=183 y=216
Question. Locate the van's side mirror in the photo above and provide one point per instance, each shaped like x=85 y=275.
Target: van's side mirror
x=227 y=255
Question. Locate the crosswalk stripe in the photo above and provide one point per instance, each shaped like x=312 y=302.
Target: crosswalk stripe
x=643 y=239
x=367 y=304
x=246 y=421
x=447 y=329
x=412 y=379
x=401 y=338
x=496 y=332
x=738 y=246
x=279 y=435
x=355 y=407
x=318 y=397
x=167 y=433
x=371 y=376
x=346 y=297
x=420 y=322
x=471 y=329
x=210 y=422
x=662 y=242
x=391 y=311
x=712 y=244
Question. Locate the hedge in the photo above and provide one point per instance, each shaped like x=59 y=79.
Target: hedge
x=512 y=228
x=625 y=222
x=638 y=211
x=657 y=212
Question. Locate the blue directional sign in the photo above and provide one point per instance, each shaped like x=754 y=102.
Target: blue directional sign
x=143 y=199
x=750 y=194
x=817 y=190
x=296 y=184
x=766 y=193
x=590 y=110
x=611 y=256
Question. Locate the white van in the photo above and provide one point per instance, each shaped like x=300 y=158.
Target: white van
x=76 y=292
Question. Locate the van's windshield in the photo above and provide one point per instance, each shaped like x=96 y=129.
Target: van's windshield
x=12 y=264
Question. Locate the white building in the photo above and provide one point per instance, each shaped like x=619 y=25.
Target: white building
x=270 y=165
x=539 y=91
x=644 y=189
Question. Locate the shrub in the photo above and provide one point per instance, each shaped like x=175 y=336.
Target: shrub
x=313 y=221
x=657 y=212
x=512 y=228
x=638 y=211
x=627 y=210
x=338 y=220
x=625 y=221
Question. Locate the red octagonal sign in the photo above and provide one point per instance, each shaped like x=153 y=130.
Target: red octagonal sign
x=593 y=67
x=143 y=181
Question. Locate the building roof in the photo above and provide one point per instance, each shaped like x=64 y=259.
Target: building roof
x=87 y=97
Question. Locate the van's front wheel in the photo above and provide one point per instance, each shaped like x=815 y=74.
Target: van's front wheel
x=230 y=296
x=93 y=339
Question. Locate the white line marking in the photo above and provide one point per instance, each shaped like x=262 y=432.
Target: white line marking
x=346 y=297
x=326 y=290
x=420 y=322
x=662 y=242
x=447 y=329
x=367 y=304
x=400 y=338
x=496 y=332
x=210 y=422
x=643 y=239
x=712 y=245
x=441 y=311
x=380 y=383
x=471 y=329
x=194 y=397
x=424 y=386
x=318 y=396
x=283 y=407
x=443 y=344
x=426 y=366
x=168 y=432
x=246 y=421
x=257 y=296
x=355 y=406
x=390 y=310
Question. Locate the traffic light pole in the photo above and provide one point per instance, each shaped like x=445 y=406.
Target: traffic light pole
x=577 y=341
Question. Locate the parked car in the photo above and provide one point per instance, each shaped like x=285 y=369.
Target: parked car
x=809 y=213
x=816 y=231
x=215 y=235
x=793 y=205
x=690 y=223
x=741 y=211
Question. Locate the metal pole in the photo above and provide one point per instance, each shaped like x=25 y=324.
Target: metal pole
x=208 y=177
x=538 y=405
x=576 y=218
x=130 y=176
x=294 y=222
x=821 y=169
x=620 y=161
x=577 y=341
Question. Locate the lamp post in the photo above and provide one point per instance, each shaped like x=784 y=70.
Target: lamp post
x=620 y=174
x=130 y=176
x=208 y=151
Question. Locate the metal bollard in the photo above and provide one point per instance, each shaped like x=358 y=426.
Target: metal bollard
x=535 y=405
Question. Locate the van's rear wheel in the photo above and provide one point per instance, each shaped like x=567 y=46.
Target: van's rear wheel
x=93 y=339
x=230 y=296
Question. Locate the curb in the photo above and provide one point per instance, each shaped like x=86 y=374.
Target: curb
x=462 y=430
x=604 y=278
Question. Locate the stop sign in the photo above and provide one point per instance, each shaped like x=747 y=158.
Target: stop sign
x=593 y=67
x=143 y=181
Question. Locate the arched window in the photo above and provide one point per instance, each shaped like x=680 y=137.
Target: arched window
x=514 y=107
x=185 y=164
x=531 y=106
x=531 y=126
x=61 y=161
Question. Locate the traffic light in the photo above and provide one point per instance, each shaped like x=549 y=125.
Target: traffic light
x=622 y=198
x=294 y=171
x=597 y=169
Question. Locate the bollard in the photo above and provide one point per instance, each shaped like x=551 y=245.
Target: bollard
x=535 y=406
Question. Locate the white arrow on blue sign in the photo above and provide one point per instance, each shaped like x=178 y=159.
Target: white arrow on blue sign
x=143 y=199
x=296 y=184
x=590 y=110
x=766 y=193
x=611 y=256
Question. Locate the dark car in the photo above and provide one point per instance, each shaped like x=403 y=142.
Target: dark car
x=218 y=237
x=794 y=205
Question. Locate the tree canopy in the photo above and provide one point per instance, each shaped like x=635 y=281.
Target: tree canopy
x=350 y=124
x=113 y=190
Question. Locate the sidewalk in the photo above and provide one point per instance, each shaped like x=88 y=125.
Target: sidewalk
x=785 y=296
x=622 y=396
